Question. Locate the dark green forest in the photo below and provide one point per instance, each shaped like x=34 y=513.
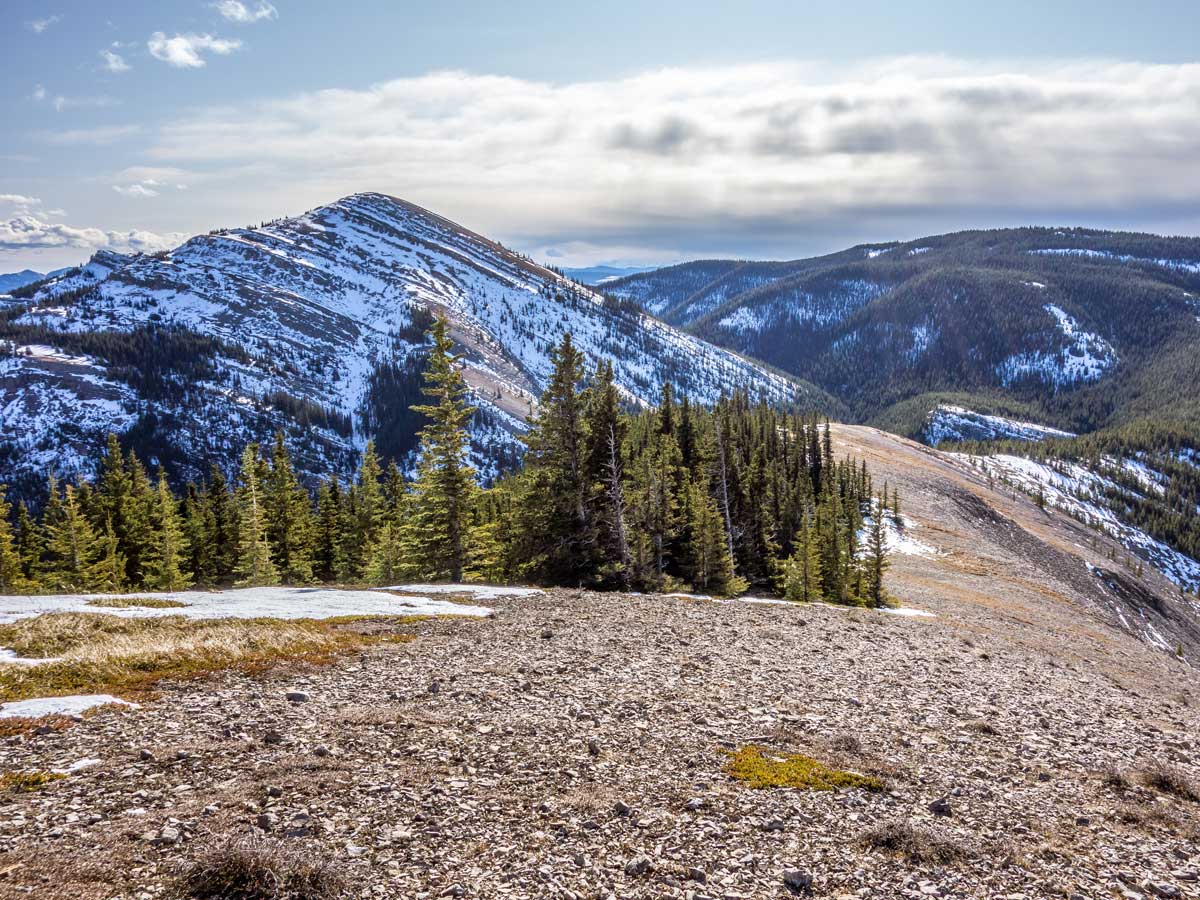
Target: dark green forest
x=677 y=498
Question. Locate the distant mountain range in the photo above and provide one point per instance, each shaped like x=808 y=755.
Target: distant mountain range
x=14 y=280
x=315 y=325
x=1073 y=328
x=594 y=275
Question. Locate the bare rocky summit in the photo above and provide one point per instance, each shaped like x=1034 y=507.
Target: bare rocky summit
x=576 y=744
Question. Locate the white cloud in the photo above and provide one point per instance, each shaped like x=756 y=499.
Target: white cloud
x=236 y=11
x=20 y=201
x=103 y=134
x=185 y=51
x=139 y=189
x=114 y=62
x=40 y=25
x=27 y=232
x=39 y=93
x=792 y=152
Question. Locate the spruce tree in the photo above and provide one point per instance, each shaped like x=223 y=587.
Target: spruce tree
x=604 y=475
x=110 y=569
x=365 y=516
x=802 y=577
x=288 y=518
x=876 y=562
x=711 y=566
x=165 y=561
x=552 y=509
x=254 y=565
x=30 y=546
x=73 y=548
x=12 y=576
x=445 y=484
x=221 y=520
x=329 y=538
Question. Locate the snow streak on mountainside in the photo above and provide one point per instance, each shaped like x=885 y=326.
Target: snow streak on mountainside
x=1079 y=315
x=1083 y=494
x=948 y=422
x=309 y=324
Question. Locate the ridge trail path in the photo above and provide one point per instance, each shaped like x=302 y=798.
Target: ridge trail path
x=575 y=744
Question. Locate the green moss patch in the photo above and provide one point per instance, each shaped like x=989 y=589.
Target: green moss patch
x=760 y=769
x=26 y=782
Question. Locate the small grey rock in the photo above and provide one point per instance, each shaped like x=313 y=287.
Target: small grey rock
x=798 y=881
x=322 y=751
x=639 y=865
x=298 y=697
x=940 y=807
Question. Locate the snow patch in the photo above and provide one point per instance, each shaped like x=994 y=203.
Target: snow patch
x=947 y=422
x=73 y=705
x=245 y=603
x=477 y=591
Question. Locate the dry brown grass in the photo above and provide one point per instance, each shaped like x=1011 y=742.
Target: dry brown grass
x=1170 y=779
x=918 y=845
x=136 y=602
x=110 y=654
x=258 y=869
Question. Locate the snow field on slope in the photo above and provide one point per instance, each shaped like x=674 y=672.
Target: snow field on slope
x=243 y=603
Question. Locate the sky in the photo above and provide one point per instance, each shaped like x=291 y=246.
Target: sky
x=622 y=133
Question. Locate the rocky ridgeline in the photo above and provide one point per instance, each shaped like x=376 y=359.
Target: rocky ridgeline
x=575 y=746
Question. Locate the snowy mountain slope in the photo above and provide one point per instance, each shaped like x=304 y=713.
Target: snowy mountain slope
x=1081 y=493
x=306 y=322
x=1067 y=318
x=948 y=422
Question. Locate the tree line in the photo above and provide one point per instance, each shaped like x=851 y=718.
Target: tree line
x=674 y=498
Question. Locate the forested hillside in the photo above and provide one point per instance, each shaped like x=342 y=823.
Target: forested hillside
x=1080 y=328
x=675 y=498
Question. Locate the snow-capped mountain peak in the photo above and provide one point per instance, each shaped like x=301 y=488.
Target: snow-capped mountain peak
x=309 y=323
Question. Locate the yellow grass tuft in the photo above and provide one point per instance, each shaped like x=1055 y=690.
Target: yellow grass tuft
x=760 y=769
x=26 y=782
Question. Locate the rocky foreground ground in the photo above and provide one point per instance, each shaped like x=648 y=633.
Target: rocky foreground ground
x=575 y=746
x=1034 y=740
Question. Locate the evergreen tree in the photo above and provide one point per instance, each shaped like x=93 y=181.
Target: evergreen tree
x=12 y=575
x=169 y=550
x=365 y=514
x=110 y=569
x=73 y=548
x=802 y=577
x=221 y=519
x=876 y=561
x=711 y=566
x=30 y=546
x=330 y=532
x=552 y=511
x=288 y=518
x=445 y=481
x=137 y=523
x=604 y=475
x=254 y=564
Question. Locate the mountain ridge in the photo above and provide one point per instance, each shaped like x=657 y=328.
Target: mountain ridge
x=315 y=324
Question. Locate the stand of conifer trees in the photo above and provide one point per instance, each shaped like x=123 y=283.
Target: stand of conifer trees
x=675 y=498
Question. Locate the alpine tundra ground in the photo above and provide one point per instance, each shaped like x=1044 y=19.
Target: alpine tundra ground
x=1020 y=743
